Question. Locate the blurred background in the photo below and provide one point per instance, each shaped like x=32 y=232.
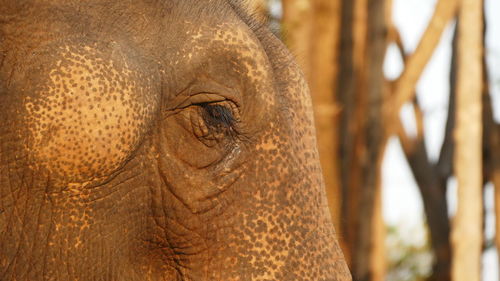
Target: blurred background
x=406 y=96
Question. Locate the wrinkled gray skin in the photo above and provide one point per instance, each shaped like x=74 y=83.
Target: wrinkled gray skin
x=156 y=140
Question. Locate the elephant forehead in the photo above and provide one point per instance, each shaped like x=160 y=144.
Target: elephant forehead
x=226 y=50
x=246 y=47
x=86 y=116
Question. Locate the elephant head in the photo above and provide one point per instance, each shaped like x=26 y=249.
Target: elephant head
x=156 y=140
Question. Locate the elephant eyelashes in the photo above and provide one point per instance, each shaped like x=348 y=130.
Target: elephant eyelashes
x=214 y=122
x=217 y=121
x=218 y=116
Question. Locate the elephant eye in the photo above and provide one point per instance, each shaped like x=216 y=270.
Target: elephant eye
x=216 y=121
x=218 y=116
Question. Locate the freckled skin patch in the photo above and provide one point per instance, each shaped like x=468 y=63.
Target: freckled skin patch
x=88 y=117
x=110 y=169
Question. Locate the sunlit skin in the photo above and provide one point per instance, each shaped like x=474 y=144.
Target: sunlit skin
x=156 y=140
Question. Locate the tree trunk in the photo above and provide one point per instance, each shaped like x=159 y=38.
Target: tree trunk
x=352 y=50
x=467 y=229
x=372 y=88
x=378 y=261
x=363 y=43
x=297 y=28
x=433 y=196
x=324 y=68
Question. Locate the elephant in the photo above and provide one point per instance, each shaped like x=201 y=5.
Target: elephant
x=156 y=140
